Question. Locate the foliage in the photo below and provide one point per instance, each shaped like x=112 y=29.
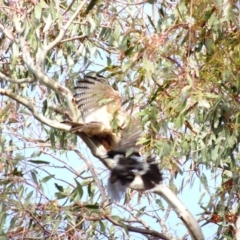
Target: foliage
x=175 y=63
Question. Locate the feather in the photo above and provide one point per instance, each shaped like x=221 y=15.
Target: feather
x=97 y=91
x=128 y=165
x=125 y=171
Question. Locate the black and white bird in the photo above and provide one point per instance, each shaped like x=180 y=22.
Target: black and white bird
x=130 y=167
x=104 y=119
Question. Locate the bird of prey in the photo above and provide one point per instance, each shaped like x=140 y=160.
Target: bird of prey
x=101 y=110
x=104 y=119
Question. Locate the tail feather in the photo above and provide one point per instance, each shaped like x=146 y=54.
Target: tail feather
x=116 y=190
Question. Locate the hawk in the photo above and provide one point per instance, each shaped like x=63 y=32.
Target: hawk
x=101 y=111
x=104 y=119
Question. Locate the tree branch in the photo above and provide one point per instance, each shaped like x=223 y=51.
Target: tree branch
x=165 y=192
x=139 y=230
x=8 y=33
x=73 y=38
x=94 y=175
x=47 y=81
x=237 y=228
x=30 y=106
x=64 y=29
x=18 y=81
x=184 y=214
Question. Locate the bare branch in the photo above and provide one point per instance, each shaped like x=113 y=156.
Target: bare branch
x=70 y=5
x=30 y=106
x=139 y=230
x=9 y=34
x=73 y=38
x=165 y=192
x=46 y=80
x=18 y=81
x=237 y=229
x=94 y=175
x=184 y=214
x=64 y=29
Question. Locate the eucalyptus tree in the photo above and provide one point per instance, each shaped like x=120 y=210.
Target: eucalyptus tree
x=176 y=66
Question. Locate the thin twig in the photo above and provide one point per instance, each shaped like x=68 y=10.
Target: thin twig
x=18 y=81
x=95 y=177
x=28 y=103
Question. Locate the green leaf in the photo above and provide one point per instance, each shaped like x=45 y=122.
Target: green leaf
x=129 y=152
x=20 y=191
x=91 y=206
x=34 y=177
x=159 y=203
x=29 y=195
x=151 y=22
x=144 y=141
x=46 y=179
x=203 y=103
x=119 y=221
x=3 y=216
x=90 y=6
x=126 y=65
x=15 y=54
x=62 y=139
x=105 y=32
x=39 y=161
x=48 y=23
x=102 y=227
x=45 y=105
x=38 y=11
x=13 y=222
x=179 y=121
x=91 y=189
x=52 y=138
x=4 y=111
x=59 y=187
x=79 y=189
x=151 y=1
x=185 y=92
x=74 y=196
x=60 y=195
x=129 y=51
x=18 y=157
x=141 y=211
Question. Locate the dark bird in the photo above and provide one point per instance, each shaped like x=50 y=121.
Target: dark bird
x=130 y=167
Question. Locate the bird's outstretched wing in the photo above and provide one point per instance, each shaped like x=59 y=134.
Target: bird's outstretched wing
x=101 y=109
x=98 y=101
